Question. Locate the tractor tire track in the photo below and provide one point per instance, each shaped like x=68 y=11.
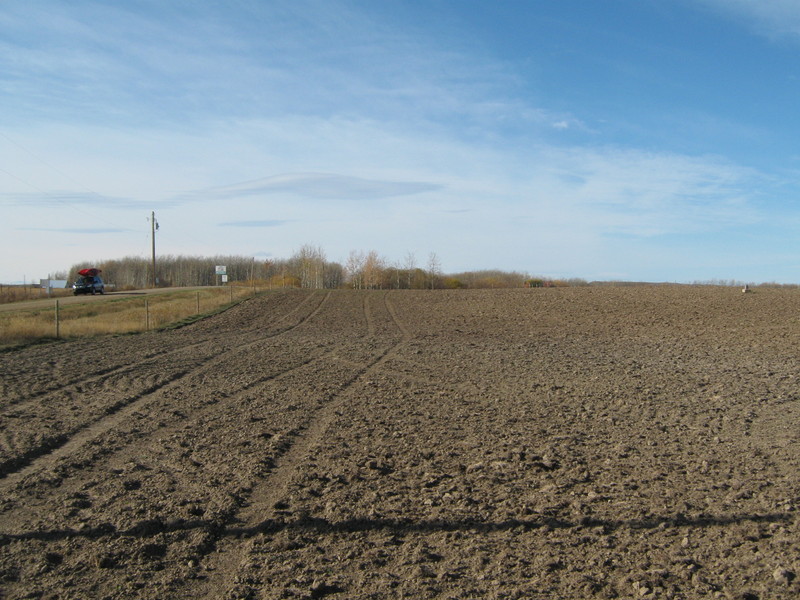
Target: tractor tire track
x=79 y=383
x=24 y=461
x=619 y=458
x=267 y=502
x=150 y=427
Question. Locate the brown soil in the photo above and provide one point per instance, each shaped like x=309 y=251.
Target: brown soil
x=556 y=443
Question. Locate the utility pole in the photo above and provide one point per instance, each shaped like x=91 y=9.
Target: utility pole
x=153 y=229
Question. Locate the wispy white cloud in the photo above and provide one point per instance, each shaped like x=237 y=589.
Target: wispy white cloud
x=63 y=198
x=321 y=121
x=118 y=64
x=770 y=17
x=643 y=194
x=80 y=230
x=522 y=206
x=321 y=186
x=124 y=62
x=262 y=223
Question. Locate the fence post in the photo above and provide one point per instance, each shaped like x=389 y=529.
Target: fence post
x=57 y=323
x=231 y=289
x=146 y=315
x=198 y=304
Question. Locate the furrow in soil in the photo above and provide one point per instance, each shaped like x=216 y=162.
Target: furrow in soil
x=586 y=442
x=100 y=405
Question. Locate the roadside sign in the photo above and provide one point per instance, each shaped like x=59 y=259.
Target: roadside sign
x=52 y=283
x=222 y=270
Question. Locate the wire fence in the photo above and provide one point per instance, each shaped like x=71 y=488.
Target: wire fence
x=112 y=315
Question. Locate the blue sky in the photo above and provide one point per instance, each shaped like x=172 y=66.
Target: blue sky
x=649 y=140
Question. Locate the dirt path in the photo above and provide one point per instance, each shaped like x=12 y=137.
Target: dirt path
x=611 y=443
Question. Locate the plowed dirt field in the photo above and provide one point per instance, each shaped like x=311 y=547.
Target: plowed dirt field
x=636 y=442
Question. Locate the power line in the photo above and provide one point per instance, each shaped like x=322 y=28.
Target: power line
x=61 y=200
x=48 y=165
x=46 y=193
x=55 y=197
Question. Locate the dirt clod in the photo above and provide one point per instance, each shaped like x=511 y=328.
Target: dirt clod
x=594 y=442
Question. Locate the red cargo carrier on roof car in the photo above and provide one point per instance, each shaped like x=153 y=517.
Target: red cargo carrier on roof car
x=88 y=282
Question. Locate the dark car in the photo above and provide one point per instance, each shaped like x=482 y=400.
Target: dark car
x=88 y=284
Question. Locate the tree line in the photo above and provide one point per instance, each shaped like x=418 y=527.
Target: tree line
x=308 y=267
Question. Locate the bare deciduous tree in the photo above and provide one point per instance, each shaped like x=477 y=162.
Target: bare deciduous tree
x=410 y=265
x=309 y=262
x=373 y=268
x=434 y=269
x=309 y=268
x=355 y=269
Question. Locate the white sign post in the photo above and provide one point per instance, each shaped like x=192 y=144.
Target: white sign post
x=222 y=272
x=50 y=284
